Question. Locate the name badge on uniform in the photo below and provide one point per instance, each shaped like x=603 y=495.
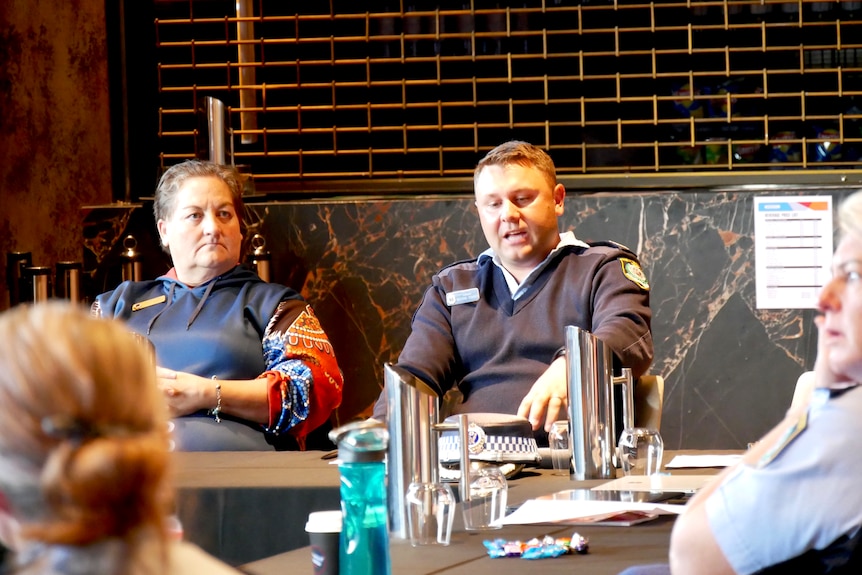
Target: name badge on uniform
x=462 y=296
x=149 y=302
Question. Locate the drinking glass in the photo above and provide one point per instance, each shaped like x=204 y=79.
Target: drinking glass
x=487 y=499
x=430 y=513
x=561 y=451
x=640 y=450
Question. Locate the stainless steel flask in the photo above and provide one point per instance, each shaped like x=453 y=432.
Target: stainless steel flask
x=412 y=411
x=591 y=412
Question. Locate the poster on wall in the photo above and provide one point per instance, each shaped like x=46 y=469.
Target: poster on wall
x=792 y=250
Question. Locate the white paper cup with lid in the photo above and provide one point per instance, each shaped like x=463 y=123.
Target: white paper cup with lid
x=324 y=533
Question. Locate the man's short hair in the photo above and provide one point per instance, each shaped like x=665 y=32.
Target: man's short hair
x=521 y=153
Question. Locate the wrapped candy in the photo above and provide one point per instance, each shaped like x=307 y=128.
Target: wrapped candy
x=544 y=548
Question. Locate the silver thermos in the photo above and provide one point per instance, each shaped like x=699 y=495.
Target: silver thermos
x=412 y=411
x=132 y=270
x=36 y=284
x=67 y=284
x=15 y=264
x=260 y=259
x=591 y=411
x=212 y=130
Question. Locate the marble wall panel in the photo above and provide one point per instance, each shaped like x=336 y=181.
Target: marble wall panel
x=729 y=368
x=54 y=127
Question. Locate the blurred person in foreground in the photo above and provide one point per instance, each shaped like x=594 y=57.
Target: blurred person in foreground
x=793 y=503
x=244 y=364
x=84 y=461
x=494 y=327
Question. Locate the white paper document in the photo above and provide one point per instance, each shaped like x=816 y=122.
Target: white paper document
x=792 y=250
x=703 y=461
x=557 y=511
x=683 y=483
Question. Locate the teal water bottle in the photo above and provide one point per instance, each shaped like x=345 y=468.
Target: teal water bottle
x=364 y=547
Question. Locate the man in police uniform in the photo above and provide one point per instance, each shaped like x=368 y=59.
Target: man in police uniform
x=493 y=327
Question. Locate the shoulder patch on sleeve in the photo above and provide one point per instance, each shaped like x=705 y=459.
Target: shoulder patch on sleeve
x=789 y=435
x=632 y=270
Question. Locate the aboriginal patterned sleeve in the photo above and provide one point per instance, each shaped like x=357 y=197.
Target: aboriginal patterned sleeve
x=305 y=382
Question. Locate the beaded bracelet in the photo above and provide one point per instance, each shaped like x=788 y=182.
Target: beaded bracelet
x=217 y=410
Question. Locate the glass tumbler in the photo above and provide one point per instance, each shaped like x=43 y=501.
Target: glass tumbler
x=561 y=451
x=430 y=513
x=487 y=501
x=640 y=451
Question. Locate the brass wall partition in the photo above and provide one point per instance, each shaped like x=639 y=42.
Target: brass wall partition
x=384 y=89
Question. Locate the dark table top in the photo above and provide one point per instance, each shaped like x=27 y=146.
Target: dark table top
x=244 y=506
x=611 y=548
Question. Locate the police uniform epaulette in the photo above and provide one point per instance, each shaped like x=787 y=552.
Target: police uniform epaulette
x=631 y=268
x=457 y=263
x=609 y=244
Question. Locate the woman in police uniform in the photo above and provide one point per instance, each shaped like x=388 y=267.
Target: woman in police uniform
x=793 y=503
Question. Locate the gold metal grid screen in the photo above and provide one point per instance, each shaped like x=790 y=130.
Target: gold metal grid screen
x=388 y=89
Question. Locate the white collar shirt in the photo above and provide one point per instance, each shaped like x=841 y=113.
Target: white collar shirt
x=518 y=289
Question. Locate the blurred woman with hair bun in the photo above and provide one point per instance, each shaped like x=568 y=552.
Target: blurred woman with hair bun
x=84 y=461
